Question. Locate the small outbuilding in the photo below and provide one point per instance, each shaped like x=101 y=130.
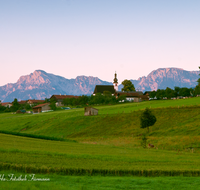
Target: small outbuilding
x=90 y=111
x=41 y=107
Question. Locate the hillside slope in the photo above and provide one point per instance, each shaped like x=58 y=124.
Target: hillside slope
x=176 y=127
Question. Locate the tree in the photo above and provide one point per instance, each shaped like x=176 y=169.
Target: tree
x=185 y=92
x=15 y=105
x=53 y=104
x=197 y=90
x=147 y=119
x=47 y=100
x=122 y=98
x=198 y=80
x=128 y=86
x=2 y=108
x=169 y=93
x=152 y=94
x=176 y=91
x=160 y=94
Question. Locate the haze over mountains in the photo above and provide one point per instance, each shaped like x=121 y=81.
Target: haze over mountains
x=41 y=85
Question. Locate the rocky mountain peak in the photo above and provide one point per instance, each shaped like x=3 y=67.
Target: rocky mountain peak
x=41 y=85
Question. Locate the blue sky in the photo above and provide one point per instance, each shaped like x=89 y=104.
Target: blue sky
x=97 y=37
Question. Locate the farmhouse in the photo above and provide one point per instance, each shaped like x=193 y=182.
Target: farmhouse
x=60 y=98
x=130 y=96
x=90 y=111
x=41 y=107
x=22 y=102
x=32 y=102
x=6 y=104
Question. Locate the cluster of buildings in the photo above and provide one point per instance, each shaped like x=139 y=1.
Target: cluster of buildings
x=132 y=96
x=30 y=102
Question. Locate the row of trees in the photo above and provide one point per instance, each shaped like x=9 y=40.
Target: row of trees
x=170 y=93
x=174 y=93
x=105 y=98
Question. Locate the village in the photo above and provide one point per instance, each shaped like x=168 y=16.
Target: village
x=38 y=106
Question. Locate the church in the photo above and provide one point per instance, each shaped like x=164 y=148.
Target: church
x=132 y=96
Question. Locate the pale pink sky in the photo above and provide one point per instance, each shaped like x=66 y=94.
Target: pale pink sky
x=97 y=38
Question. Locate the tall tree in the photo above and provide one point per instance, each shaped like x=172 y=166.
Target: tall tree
x=128 y=86
x=15 y=105
x=169 y=93
x=147 y=119
x=176 y=91
x=198 y=79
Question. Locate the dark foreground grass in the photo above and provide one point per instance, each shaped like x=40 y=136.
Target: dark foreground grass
x=60 y=182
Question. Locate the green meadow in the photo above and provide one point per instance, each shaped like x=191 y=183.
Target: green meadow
x=61 y=182
x=177 y=126
x=70 y=146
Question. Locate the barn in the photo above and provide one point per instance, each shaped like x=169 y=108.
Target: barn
x=41 y=107
x=90 y=111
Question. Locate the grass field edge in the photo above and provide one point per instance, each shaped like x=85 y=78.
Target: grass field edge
x=95 y=172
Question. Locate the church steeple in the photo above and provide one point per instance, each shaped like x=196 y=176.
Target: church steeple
x=115 y=83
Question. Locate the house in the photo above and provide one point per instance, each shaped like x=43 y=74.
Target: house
x=147 y=93
x=6 y=104
x=131 y=96
x=41 y=107
x=22 y=102
x=144 y=97
x=103 y=88
x=32 y=102
x=60 y=98
x=90 y=111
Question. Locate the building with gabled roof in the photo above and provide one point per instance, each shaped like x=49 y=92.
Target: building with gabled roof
x=32 y=102
x=130 y=96
x=41 y=107
x=103 y=88
x=133 y=96
x=60 y=98
x=22 y=102
x=6 y=104
x=90 y=111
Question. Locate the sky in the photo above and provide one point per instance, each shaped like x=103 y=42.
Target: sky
x=97 y=37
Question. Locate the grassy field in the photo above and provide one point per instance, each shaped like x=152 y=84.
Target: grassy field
x=177 y=126
x=59 y=182
x=43 y=156
x=108 y=144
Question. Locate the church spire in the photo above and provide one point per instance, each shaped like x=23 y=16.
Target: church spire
x=115 y=83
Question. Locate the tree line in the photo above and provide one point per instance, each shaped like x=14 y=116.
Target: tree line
x=174 y=93
x=105 y=98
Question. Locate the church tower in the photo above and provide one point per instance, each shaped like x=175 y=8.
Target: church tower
x=115 y=83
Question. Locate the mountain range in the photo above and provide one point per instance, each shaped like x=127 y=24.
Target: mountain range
x=41 y=85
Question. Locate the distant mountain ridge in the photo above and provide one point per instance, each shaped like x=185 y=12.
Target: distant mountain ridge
x=41 y=85
x=166 y=77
